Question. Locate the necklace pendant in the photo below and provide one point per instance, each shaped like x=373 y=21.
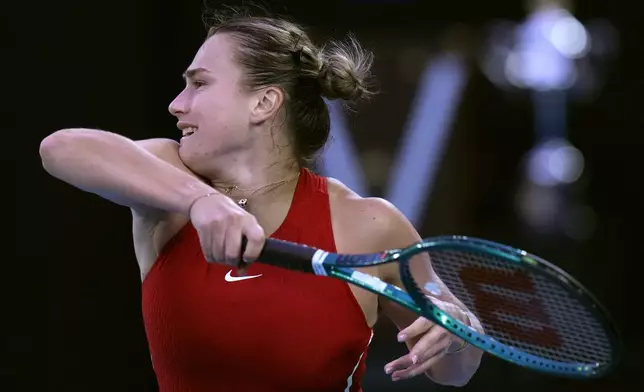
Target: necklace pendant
x=243 y=203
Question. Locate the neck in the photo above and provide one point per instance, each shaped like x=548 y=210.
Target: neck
x=266 y=163
x=244 y=174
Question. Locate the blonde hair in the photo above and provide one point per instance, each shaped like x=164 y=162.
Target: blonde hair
x=275 y=51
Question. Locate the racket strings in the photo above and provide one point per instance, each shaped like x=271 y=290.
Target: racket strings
x=523 y=309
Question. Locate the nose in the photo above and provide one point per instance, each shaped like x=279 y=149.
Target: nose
x=180 y=105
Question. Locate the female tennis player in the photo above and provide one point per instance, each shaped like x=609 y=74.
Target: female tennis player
x=252 y=115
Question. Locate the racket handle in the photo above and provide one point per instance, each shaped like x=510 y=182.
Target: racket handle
x=288 y=255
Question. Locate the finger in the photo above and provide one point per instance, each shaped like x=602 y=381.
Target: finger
x=418 y=369
x=429 y=345
x=217 y=245
x=401 y=363
x=418 y=327
x=434 y=341
x=242 y=266
x=232 y=244
x=242 y=269
x=255 y=240
x=205 y=239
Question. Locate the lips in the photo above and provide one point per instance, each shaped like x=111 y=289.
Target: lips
x=188 y=131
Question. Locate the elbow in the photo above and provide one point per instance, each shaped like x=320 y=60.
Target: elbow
x=52 y=145
x=57 y=146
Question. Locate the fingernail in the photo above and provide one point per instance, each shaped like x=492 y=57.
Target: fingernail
x=388 y=370
x=395 y=378
x=414 y=359
x=402 y=337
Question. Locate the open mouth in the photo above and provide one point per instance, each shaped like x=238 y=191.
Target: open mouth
x=189 y=131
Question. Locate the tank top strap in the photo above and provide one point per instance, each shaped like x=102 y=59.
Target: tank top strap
x=309 y=218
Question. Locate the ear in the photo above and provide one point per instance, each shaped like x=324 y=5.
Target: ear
x=268 y=101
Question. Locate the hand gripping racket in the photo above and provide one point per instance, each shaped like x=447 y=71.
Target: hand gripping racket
x=533 y=313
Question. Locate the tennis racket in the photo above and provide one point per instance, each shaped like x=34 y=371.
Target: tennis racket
x=533 y=313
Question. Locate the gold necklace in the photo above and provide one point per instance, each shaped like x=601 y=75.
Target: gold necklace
x=243 y=202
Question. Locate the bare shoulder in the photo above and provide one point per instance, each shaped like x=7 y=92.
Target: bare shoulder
x=367 y=224
x=168 y=151
x=165 y=149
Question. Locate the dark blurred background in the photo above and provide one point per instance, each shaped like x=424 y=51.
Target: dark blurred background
x=513 y=121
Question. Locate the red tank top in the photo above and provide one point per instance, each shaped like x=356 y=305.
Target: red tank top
x=281 y=331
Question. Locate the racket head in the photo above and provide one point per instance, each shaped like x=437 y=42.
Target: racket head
x=533 y=313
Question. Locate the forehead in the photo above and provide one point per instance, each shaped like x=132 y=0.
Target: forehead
x=216 y=55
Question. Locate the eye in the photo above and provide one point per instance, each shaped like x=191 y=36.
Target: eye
x=197 y=83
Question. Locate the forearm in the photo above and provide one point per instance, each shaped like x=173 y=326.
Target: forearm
x=457 y=368
x=118 y=169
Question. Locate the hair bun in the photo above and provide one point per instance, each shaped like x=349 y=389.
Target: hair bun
x=345 y=70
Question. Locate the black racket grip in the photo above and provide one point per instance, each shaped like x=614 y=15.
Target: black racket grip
x=285 y=254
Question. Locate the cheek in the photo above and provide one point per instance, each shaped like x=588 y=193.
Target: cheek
x=196 y=150
x=214 y=107
x=226 y=117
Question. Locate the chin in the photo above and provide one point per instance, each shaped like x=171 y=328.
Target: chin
x=188 y=157
x=198 y=161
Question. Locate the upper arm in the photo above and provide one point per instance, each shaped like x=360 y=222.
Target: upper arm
x=167 y=150
x=374 y=225
x=400 y=233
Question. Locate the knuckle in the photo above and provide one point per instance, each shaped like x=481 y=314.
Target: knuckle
x=258 y=231
x=211 y=225
x=233 y=254
x=236 y=220
x=200 y=226
x=250 y=221
x=232 y=215
x=259 y=237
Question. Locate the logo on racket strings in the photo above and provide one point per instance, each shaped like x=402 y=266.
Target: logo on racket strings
x=499 y=309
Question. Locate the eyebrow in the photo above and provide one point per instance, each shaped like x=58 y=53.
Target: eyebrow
x=191 y=73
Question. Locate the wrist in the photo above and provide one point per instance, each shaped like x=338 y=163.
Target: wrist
x=192 y=191
x=457 y=344
x=198 y=197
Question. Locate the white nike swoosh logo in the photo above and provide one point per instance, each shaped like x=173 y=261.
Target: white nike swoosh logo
x=230 y=278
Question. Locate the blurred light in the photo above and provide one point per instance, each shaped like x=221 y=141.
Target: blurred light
x=555 y=162
x=545 y=52
x=538 y=70
x=340 y=157
x=566 y=163
x=512 y=69
x=569 y=37
x=412 y=170
x=419 y=157
x=493 y=65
